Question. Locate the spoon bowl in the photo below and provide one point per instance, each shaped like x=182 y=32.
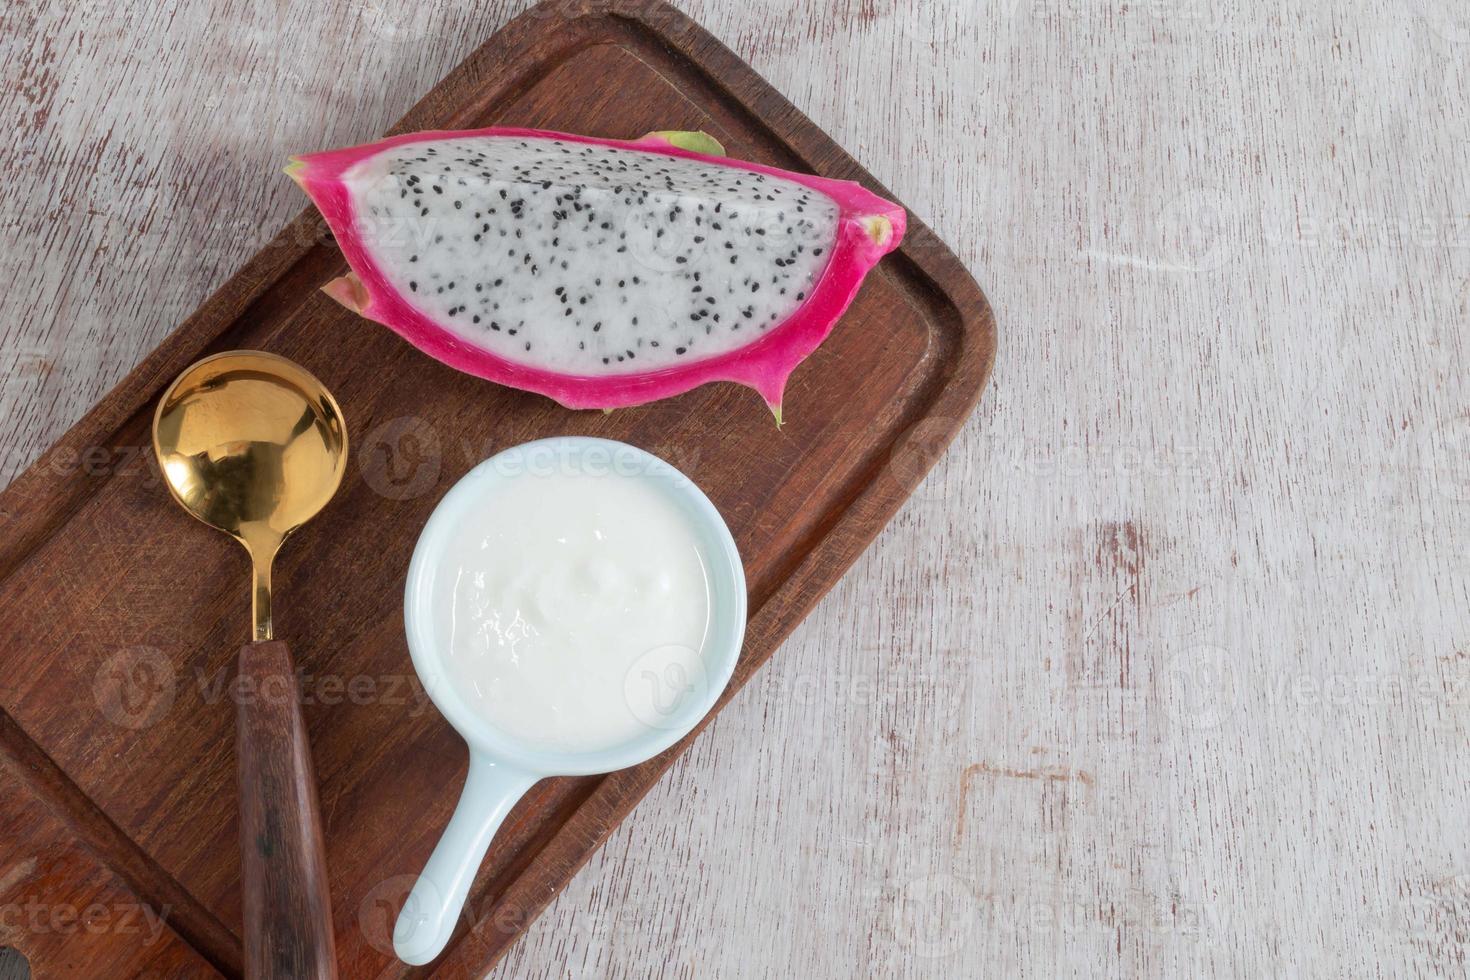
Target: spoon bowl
x=254 y=445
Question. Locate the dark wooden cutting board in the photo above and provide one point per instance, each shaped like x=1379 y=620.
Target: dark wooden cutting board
x=122 y=616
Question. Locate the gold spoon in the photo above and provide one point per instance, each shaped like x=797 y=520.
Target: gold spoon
x=252 y=444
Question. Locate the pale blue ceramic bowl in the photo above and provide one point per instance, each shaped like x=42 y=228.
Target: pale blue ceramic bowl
x=501 y=767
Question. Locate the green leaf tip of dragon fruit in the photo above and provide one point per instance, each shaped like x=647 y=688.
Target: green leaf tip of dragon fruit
x=695 y=141
x=600 y=273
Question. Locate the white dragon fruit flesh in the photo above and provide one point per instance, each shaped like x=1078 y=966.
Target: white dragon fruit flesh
x=601 y=273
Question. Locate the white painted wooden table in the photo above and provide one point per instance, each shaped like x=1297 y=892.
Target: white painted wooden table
x=1166 y=670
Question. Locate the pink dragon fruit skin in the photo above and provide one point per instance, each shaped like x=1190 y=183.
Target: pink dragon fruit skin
x=863 y=228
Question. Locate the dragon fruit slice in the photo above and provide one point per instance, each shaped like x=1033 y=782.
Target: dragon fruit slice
x=601 y=273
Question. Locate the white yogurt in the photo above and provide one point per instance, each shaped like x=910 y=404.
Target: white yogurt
x=570 y=603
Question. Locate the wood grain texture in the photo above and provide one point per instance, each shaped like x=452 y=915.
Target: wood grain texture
x=69 y=913
x=1164 y=670
x=286 y=909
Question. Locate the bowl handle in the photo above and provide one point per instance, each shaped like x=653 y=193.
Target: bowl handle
x=427 y=918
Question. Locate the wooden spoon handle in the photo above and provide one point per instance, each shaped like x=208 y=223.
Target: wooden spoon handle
x=288 y=914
